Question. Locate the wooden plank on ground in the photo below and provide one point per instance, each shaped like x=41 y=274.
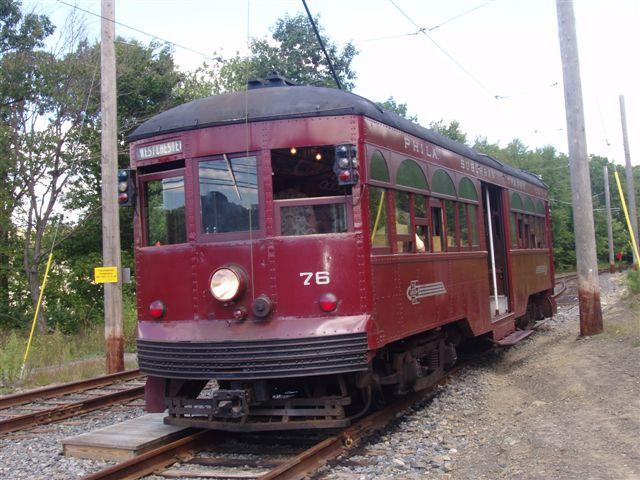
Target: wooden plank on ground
x=175 y=473
x=124 y=440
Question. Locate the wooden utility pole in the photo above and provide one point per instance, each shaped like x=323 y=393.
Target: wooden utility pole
x=110 y=213
x=607 y=199
x=631 y=192
x=588 y=288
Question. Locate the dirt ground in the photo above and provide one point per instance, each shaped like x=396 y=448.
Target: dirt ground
x=560 y=406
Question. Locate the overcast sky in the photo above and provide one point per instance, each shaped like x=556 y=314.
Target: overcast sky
x=504 y=48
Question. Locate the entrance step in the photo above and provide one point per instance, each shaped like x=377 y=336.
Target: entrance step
x=513 y=338
x=124 y=440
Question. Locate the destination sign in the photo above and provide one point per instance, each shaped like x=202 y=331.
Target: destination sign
x=160 y=149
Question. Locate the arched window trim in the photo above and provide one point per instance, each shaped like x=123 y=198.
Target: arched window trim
x=467 y=199
x=385 y=164
x=514 y=207
x=436 y=193
x=528 y=205
x=403 y=186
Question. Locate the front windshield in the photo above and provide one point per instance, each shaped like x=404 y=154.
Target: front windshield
x=228 y=194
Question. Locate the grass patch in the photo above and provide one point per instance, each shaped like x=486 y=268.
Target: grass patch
x=58 y=357
x=633 y=281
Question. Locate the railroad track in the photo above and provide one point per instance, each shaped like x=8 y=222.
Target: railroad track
x=566 y=287
x=271 y=456
x=51 y=404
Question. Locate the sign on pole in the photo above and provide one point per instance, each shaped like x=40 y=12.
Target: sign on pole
x=105 y=274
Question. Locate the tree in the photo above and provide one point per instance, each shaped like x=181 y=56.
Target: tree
x=292 y=51
x=19 y=35
x=398 y=108
x=146 y=83
x=452 y=130
x=47 y=128
x=52 y=137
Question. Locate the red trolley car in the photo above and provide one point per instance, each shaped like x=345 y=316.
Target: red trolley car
x=313 y=254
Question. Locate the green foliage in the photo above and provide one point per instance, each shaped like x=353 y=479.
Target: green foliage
x=633 y=281
x=399 y=108
x=452 y=130
x=292 y=51
x=11 y=352
x=20 y=31
x=63 y=91
x=20 y=34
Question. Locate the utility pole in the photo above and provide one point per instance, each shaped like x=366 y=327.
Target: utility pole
x=588 y=287
x=631 y=192
x=110 y=213
x=607 y=198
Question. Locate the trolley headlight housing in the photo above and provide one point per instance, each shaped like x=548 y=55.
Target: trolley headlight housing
x=227 y=283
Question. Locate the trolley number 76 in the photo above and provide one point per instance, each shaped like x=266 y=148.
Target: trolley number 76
x=319 y=278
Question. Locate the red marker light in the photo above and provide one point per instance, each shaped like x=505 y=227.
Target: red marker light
x=157 y=309
x=344 y=176
x=328 y=302
x=123 y=197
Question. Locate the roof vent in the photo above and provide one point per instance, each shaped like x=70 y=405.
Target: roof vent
x=273 y=80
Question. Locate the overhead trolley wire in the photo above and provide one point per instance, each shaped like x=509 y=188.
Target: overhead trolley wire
x=430 y=29
x=426 y=34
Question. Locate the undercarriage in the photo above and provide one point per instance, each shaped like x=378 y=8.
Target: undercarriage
x=311 y=402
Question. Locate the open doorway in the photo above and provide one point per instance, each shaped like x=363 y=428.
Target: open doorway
x=497 y=247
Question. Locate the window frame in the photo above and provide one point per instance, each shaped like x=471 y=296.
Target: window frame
x=388 y=209
x=197 y=207
x=404 y=237
x=421 y=221
x=311 y=201
x=456 y=226
x=143 y=179
x=432 y=203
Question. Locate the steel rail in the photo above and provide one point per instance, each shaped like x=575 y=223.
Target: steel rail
x=563 y=278
x=68 y=410
x=296 y=468
x=65 y=388
x=155 y=459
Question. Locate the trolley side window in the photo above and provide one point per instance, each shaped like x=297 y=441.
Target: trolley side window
x=422 y=229
x=513 y=229
x=228 y=194
x=450 y=221
x=164 y=209
x=438 y=231
x=404 y=238
x=473 y=224
x=378 y=217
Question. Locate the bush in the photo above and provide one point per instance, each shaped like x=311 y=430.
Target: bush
x=633 y=281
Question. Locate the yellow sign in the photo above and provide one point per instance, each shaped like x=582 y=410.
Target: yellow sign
x=105 y=274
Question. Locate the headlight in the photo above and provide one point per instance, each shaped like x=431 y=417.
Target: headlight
x=226 y=284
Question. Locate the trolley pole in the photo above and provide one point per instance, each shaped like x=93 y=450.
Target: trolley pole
x=588 y=287
x=110 y=213
x=607 y=198
x=631 y=192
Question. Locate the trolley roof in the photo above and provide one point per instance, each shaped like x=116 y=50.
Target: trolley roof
x=275 y=103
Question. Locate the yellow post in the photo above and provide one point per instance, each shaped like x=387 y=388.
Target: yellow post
x=626 y=215
x=35 y=316
x=44 y=283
